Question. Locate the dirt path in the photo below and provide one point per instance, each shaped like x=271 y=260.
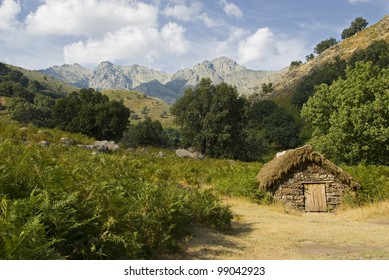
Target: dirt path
x=269 y=232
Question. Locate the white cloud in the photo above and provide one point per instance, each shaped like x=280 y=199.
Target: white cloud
x=89 y=18
x=257 y=46
x=264 y=50
x=231 y=9
x=185 y=13
x=130 y=44
x=9 y=9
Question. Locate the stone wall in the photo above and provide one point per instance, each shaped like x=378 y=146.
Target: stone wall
x=291 y=189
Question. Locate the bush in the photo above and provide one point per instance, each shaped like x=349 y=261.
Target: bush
x=64 y=203
x=374 y=180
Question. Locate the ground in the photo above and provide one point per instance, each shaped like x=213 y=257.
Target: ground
x=275 y=232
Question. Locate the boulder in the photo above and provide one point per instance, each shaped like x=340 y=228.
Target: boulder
x=182 y=153
x=105 y=146
x=44 y=144
x=101 y=146
x=160 y=154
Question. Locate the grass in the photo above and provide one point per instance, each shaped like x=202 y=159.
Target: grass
x=47 y=81
x=268 y=232
x=137 y=101
x=63 y=202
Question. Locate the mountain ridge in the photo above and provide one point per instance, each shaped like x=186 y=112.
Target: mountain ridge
x=167 y=86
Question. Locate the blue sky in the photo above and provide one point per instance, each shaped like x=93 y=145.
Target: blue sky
x=170 y=35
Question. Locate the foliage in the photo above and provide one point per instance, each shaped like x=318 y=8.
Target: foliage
x=310 y=57
x=350 y=118
x=146 y=133
x=270 y=127
x=267 y=88
x=211 y=119
x=356 y=26
x=30 y=102
x=91 y=113
x=323 y=45
x=374 y=180
x=64 y=203
x=377 y=53
x=326 y=74
x=296 y=63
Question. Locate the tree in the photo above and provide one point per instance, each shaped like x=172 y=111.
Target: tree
x=267 y=88
x=90 y=112
x=350 y=118
x=310 y=57
x=146 y=133
x=356 y=26
x=377 y=52
x=295 y=63
x=211 y=119
x=323 y=45
x=277 y=127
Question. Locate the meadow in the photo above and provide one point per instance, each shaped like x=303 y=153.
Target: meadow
x=64 y=202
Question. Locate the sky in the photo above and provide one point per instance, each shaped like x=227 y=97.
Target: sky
x=170 y=35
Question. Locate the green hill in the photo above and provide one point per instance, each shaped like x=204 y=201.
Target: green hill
x=45 y=80
x=142 y=105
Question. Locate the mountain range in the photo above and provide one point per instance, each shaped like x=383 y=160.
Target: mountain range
x=170 y=86
x=166 y=86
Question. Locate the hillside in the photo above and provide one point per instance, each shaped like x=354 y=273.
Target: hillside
x=47 y=81
x=166 y=86
x=289 y=77
x=142 y=105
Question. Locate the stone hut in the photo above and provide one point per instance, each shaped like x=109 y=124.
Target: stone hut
x=305 y=180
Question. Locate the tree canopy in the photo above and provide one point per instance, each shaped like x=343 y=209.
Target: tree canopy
x=356 y=26
x=90 y=112
x=350 y=118
x=212 y=119
x=323 y=45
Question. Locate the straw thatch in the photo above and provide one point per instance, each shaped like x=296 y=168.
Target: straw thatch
x=276 y=169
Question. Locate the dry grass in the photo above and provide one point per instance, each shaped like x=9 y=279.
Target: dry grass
x=275 y=232
x=377 y=212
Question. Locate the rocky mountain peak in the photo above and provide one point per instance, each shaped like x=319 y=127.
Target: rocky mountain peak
x=105 y=64
x=157 y=83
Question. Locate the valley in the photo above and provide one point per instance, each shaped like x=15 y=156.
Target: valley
x=62 y=197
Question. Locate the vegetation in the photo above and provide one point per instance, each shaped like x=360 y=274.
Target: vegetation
x=62 y=202
x=65 y=203
x=350 y=118
x=325 y=74
x=211 y=119
x=377 y=53
x=158 y=110
x=356 y=26
x=296 y=63
x=267 y=88
x=323 y=45
x=146 y=133
x=218 y=123
x=91 y=113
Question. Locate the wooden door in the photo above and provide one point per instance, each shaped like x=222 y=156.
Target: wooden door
x=315 y=197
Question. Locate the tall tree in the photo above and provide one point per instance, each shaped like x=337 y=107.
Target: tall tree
x=350 y=118
x=90 y=112
x=212 y=119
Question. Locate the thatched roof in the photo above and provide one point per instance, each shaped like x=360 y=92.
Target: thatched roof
x=275 y=169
